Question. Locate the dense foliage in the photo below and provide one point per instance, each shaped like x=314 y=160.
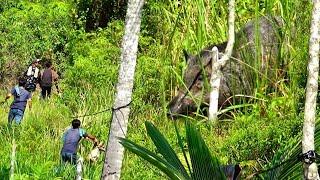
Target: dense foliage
x=87 y=54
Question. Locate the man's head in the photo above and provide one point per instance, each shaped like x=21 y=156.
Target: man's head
x=35 y=62
x=76 y=123
x=22 y=81
x=48 y=64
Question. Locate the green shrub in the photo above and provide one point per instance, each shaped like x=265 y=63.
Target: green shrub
x=33 y=30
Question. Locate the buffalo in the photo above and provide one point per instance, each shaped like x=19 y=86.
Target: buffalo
x=255 y=58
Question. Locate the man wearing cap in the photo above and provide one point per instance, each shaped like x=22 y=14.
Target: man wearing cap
x=32 y=76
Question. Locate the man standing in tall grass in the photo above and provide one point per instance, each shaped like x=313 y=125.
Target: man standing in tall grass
x=48 y=78
x=71 y=139
x=21 y=98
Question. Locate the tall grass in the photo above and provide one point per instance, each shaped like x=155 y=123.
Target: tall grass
x=39 y=142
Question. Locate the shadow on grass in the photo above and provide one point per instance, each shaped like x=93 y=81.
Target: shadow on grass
x=4 y=173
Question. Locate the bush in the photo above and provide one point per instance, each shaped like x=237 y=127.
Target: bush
x=93 y=73
x=33 y=30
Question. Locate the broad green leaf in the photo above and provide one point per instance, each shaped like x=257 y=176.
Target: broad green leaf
x=165 y=149
x=203 y=165
x=152 y=158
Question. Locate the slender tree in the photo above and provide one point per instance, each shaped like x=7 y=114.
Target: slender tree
x=215 y=85
x=217 y=64
x=310 y=170
x=120 y=115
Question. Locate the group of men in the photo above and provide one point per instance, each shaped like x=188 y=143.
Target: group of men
x=27 y=84
x=22 y=93
x=45 y=78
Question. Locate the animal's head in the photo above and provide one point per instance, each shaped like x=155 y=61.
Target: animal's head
x=193 y=91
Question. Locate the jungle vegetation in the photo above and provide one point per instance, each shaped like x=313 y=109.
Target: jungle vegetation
x=83 y=40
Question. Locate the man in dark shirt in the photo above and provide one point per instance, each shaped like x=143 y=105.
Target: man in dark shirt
x=71 y=139
x=48 y=78
x=21 y=98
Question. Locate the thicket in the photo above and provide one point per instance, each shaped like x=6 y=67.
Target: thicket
x=87 y=56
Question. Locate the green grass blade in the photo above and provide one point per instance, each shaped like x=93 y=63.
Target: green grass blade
x=181 y=146
x=152 y=158
x=165 y=149
x=204 y=166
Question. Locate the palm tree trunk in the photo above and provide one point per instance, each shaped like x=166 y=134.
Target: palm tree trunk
x=310 y=170
x=114 y=152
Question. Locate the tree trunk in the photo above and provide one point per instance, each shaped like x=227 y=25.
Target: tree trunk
x=219 y=63
x=215 y=85
x=114 y=152
x=310 y=170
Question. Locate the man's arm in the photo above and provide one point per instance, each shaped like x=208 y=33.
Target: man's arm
x=92 y=139
x=6 y=98
x=55 y=78
x=29 y=102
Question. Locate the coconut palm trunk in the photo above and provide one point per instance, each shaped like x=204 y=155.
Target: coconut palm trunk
x=310 y=168
x=120 y=115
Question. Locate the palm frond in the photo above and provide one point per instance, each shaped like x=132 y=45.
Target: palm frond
x=204 y=166
x=153 y=158
x=180 y=142
x=165 y=149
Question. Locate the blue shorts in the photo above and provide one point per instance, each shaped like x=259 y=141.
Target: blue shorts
x=16 y=115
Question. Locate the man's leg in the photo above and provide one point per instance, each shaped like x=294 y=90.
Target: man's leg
x=47 y=91
x=43 y=92
x=69 y=157
x=10 y=116
x=64 y=158
x=18 y=116
x=73 y=159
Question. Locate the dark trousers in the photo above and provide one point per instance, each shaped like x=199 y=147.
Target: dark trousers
x=69 y=157
x=46 y=91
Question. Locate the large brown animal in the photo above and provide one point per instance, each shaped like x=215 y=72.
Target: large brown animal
x=255 y=58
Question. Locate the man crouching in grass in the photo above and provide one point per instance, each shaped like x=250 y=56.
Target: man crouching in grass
x=71 y=139
x=21 y=98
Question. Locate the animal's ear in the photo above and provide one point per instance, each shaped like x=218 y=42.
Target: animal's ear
x=186 y=55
